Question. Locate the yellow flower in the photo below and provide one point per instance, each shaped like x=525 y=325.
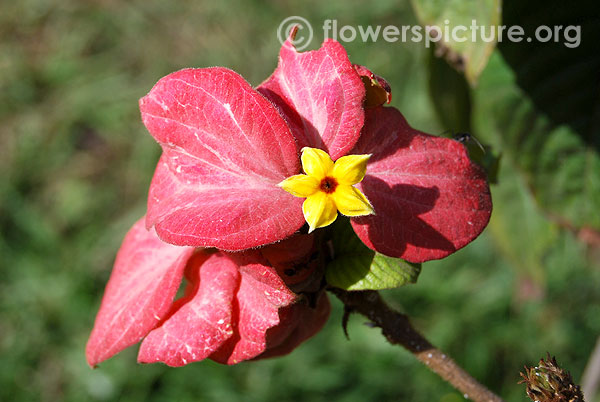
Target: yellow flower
x=328 y=187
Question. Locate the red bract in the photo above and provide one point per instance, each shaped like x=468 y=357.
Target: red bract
x=235 y=307
x=225 y=147
x=429 y=198
x=139 y=294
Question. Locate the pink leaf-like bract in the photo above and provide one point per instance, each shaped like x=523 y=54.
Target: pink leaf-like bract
x=321 y=96
x=139 y=294
x=259 y=299
x=429 y=198
x=203 y=322
x=231 y=302
x=225 y=149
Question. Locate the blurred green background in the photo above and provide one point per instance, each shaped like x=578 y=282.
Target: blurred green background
x=76 y=163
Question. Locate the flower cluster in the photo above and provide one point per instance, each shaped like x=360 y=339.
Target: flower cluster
x=246 y=178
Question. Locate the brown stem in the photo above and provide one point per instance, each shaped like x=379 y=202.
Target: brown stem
x=398 y=330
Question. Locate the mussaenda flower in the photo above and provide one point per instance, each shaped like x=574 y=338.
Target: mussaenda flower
x=241 y=173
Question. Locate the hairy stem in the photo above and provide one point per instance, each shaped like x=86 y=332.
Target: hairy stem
x=398 y=330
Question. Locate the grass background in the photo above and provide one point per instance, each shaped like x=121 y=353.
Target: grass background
x=76 y=162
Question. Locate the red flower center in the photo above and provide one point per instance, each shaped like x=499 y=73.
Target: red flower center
x=328 y=185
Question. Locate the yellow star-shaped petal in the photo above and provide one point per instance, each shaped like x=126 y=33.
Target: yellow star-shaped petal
x=329 y=187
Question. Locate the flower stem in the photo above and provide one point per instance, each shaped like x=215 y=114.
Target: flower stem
x=398 y=330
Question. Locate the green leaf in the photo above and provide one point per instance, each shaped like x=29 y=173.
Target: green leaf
x=559 y=74
x=542 y=103
x=470 y=56
x=558 y=166
x=450 y=94
x=539 y=104
x=451 y=97
x=356 y=267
